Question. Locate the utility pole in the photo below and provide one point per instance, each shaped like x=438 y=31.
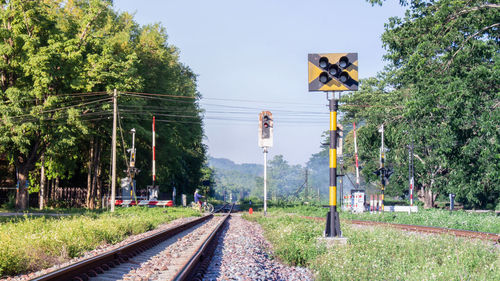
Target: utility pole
x=410 y=171
x=113 y=149
x=382 y=169
x=132 y=170
x=356 y=155
x=154 y=158
x=41 y=199
x=306 y=193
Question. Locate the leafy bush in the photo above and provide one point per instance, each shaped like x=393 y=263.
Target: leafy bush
x=11 y=202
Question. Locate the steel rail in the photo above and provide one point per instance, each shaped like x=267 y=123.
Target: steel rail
x=427 y=229
x=99 y=264
x=202 y=254
x=434 y=229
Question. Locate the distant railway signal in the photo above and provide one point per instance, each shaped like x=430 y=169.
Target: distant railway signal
x=265 y=129
x=384 y=173
x=265 y=141
x=333 y=72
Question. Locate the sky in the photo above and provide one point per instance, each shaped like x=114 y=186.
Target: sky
x=251 y=56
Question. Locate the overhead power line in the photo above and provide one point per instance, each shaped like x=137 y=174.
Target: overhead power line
x=160 y=95
x=71 y=95
x=64 y=107
x=158 y=98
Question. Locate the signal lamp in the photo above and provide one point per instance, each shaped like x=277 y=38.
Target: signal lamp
x=344 y=77
x=334 y=70
x=266 y=127
x=323 y=78
x=323 y=62
x=343 y=62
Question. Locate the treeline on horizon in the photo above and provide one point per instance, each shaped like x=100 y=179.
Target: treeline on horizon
x=60 y=62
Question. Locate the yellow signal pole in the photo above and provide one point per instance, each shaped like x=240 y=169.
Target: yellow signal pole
x=333 y=222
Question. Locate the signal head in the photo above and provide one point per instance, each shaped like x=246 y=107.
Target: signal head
x=343 y=62
x=323 y=62
x=334 y=70
x=323 y=78
x=344 y=77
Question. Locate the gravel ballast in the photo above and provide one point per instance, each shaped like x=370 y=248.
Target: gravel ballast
x=244 y=254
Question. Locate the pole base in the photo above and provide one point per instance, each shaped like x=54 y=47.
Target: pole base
x=330 y=242
x=332 y=228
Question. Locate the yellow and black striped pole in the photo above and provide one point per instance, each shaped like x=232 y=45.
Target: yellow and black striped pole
x=332 y=220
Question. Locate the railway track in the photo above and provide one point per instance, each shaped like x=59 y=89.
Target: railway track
x=427 y=229
x=177 y=253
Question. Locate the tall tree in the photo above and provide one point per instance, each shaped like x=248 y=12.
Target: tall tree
x=443 y=83
x=49 y=51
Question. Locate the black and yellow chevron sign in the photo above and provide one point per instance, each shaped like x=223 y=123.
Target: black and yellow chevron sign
x=333 y=72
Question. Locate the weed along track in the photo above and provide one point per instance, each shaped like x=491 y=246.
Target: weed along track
x=426 y=229
x=436 y=230
x=173 y=254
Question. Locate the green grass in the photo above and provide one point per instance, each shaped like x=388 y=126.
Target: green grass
x=484 y=222
x=379 y=253
x=31 y=243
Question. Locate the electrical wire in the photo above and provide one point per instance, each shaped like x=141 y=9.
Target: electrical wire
x=123 y=143
x=161 y=114
x=64 y=107
x=158 y=98
x=58 y=95
x=160 y=95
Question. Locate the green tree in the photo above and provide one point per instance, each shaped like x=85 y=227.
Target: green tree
x=441 y=90
x=283 y=179
x=51 y=52
x=43 y=53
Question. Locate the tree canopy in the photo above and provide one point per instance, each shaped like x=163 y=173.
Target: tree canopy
x=60 y=60
x=441 y=91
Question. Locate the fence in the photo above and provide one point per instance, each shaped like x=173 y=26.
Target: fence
x=65 y=196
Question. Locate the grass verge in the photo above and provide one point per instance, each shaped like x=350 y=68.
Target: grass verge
x=379 y=253
x=32 y=243
x=484 y=222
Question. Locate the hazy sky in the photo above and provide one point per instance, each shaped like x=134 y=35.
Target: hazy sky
x=252 y=56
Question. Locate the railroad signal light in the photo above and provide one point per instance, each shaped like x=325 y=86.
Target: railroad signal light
x=388 y=173
x=323 y=78
x=379 y=171
x=266 y=126
x=343 y=62
x=323 y=62
x=265 y=129
x=333 y=72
